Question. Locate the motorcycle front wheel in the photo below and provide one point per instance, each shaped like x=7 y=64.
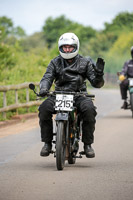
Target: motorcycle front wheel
x=60 y=145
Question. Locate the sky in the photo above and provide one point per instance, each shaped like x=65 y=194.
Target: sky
x=32 y=14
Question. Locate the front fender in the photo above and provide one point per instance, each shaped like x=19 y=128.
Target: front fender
x=61 y=116
x=131 y=89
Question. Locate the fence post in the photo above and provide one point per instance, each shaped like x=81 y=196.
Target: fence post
x=16 y=99
x=27 y=97
x=38 y=89
x=4 y=104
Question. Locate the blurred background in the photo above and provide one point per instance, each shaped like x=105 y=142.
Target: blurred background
x=30 y=29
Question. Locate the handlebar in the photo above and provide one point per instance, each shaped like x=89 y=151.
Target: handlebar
x=32 y=87
x=72 y=93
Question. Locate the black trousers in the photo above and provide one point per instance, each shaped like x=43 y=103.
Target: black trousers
x=124 y=88
x=87 y=111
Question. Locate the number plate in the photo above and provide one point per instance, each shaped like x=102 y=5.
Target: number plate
x=64 y=102
x=131 y=82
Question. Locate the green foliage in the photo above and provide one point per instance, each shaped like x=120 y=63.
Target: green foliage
x=19 y=32
x=29 y=68
x=7 y=57
x=85 y=34
x=7 y=24
x=98 y=45
x=7 y=29
x=122 y=22
x=122 y=45
x=33 y=42
x=2 y=33
x=119 y=52
x=53 y=28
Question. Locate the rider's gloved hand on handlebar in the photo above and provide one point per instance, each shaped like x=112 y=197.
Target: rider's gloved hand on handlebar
x=43 y=92
x=100 y=65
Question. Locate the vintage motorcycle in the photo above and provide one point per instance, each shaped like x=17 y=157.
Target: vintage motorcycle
x=130 y=89
x=68 y=126
x=131 y=94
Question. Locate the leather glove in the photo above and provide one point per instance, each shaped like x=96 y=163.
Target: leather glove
x=100 y=65
x=43 y=92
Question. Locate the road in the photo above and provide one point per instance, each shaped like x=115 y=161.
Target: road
x=24 y=175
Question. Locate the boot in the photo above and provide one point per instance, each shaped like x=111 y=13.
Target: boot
x=89 y=151
x=46 y=150
x=125 y=105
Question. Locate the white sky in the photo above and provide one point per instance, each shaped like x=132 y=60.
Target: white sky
x=31 y=14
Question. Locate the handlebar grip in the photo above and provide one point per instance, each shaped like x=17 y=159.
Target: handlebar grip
x=90 y=95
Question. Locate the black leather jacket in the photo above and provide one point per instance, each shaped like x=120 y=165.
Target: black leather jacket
x=127 y=69
x=71 y=77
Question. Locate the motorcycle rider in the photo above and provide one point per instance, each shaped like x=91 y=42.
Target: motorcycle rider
x=127 y=72
x=69 y=71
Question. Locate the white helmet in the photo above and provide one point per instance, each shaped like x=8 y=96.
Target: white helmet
x=68 y=39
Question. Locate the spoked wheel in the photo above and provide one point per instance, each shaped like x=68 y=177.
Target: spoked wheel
x=70 y=156
x=131 y=102
x=73 y=148
x=60 y=146
x=72 y=152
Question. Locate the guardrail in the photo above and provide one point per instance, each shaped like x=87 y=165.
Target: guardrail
x=17 y=105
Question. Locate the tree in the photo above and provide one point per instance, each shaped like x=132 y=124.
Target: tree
x=33 y=42
x=8 y=30
x=54 y=28
x=7 y=24
x=122 y=22
x=19 y=32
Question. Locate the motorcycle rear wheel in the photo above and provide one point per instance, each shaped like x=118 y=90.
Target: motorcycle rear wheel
x=71 y=159
x=71 y=156
x=60 y=146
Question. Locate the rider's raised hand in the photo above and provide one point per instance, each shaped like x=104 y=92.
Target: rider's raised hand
x=43 y=92
x=100 y=65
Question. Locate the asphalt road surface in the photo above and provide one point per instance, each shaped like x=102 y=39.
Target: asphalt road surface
x=24 y=175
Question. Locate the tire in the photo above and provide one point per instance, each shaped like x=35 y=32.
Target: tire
x=60 y=146
x=71 y=159
x=131 y=102
x=71 y=155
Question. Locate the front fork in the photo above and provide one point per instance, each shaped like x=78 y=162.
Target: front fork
x=71 y=131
